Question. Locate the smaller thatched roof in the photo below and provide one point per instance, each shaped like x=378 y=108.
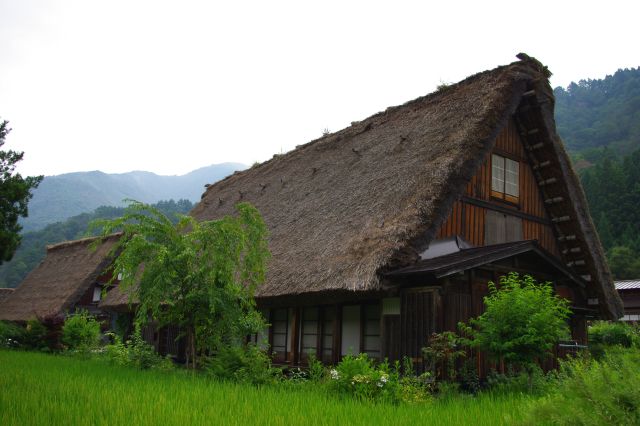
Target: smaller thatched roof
x=59 y=281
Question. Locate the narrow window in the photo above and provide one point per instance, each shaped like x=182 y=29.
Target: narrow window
x=497 y=174
x=329 y=316
x=279 y=333
x=310 y=324
x=371 y=331
x=97 y=294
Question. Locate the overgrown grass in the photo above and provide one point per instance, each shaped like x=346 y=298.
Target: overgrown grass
x=40 y=389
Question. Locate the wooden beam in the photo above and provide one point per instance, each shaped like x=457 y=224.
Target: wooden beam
x=337 y=335
x=295 y=337
x=547 y=181
x=496 y=207
x=554 y=200
x=535 y=146
x=542 y=165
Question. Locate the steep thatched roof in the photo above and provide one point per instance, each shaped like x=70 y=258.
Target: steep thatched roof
x=364 y=200
x=59 y=281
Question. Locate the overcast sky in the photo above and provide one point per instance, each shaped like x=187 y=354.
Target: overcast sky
x=171 y=86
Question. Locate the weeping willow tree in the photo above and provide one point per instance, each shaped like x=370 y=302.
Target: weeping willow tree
x=200 y=276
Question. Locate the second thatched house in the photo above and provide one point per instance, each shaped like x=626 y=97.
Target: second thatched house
x=70 y=277
x=390 y=229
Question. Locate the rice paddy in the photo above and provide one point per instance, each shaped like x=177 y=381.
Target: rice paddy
x=40 y=389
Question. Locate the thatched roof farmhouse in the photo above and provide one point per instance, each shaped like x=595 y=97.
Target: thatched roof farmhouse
x=390 y=229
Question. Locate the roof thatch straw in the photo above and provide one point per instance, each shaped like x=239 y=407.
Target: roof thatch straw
x=5 y=292
x=358 y=202
x=59 y=281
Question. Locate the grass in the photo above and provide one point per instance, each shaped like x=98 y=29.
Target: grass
x=40 y=389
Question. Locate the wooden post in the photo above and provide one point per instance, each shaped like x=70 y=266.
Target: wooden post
x=295 y=337
x=337 y=335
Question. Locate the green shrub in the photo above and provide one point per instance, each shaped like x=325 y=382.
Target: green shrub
x=81 y=331
x=35 y=336
x=11 y=335
x=245 y=364
x=316 y=369
x=605 y=334
x=135 y=353
x=534 y=381
x=594 y=392
x=522 y=322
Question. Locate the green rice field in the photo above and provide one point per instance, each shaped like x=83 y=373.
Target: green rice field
x=40 y=389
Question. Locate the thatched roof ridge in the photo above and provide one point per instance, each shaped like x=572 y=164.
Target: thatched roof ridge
x=59 y=281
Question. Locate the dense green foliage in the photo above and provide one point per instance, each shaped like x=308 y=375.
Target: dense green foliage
x=80 y=331
x=33 y=247
x=522 y=321
x=612 y=186
x=603 y=335
x=200 y=276
x=135 y=353
x=61 y=197
x=593 y=114
x=40 y=389
x=15 y=193
x=594 y=392
x=243 y=364
x=599 y=122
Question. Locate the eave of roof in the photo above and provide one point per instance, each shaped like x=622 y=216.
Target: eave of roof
x=470 y=258
x=627 y=284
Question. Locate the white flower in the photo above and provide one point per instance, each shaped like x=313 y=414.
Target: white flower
x=334 y=374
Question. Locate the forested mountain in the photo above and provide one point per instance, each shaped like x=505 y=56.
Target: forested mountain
x=33 y=246
x=60 y=197
x=594 y=114
x=599 y=122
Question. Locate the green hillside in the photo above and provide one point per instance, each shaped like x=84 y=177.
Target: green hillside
x=599 y=122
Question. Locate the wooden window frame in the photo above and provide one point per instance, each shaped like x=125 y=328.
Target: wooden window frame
x=503 y=195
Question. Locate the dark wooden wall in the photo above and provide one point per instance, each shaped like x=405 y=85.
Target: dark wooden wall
x=468 y=219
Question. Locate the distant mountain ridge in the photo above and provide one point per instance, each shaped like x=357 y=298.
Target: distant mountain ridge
x=63 y=196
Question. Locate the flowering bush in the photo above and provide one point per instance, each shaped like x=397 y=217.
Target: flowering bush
x=10 y=335
x=360 y=377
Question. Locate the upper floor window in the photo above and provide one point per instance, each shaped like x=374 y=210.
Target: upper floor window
x=505 y=178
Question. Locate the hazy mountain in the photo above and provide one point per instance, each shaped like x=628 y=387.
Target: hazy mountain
x=62 y=196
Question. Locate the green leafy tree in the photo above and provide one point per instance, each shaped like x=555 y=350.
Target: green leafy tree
x=198 y=275
x=15 y=193
x=522 y=322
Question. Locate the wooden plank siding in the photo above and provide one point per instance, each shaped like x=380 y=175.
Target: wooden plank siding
x=468 y=220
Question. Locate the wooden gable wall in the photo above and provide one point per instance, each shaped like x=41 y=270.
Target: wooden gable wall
x=467 y=217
